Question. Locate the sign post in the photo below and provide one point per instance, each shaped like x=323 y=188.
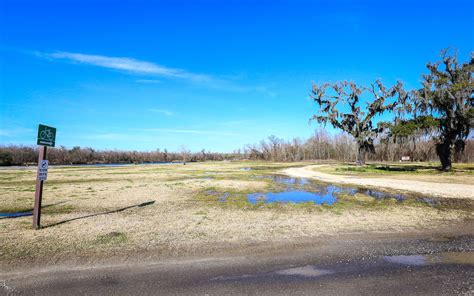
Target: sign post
x=46 y=137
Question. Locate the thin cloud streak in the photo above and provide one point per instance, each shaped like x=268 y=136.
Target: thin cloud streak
x=135 y=66
x=161 y=111
x=126 y=64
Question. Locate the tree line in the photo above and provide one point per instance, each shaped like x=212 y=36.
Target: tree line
x=342 y=147
x=25 y=155
x=320 y=146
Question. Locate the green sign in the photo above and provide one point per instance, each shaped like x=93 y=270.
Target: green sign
x=46 y=135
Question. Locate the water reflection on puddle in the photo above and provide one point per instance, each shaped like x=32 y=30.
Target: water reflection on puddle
x=300 y=190
x=412 y=260
x=15 y=215
x=465 y=258
x=293 y=196
x=304 y=271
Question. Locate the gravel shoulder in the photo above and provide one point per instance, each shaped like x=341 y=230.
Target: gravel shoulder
x=429 y=188
x=363 y=264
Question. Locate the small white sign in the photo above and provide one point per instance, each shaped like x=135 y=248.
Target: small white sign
x=43 y=170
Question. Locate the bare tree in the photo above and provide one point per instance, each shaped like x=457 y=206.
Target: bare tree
x=185 y=153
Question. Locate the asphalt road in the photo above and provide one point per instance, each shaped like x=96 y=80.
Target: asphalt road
x=385 y=265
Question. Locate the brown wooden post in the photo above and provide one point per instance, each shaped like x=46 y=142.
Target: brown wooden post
x=39 y=190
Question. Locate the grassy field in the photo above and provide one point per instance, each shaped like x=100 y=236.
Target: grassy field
x=175 y=209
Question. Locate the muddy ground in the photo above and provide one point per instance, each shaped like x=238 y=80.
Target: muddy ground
x=425 y=263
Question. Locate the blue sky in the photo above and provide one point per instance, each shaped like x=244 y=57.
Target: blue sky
x=214 y=75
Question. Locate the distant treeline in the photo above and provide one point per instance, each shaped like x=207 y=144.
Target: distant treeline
x=24 y=155
x=321 y=146
x=342 y=147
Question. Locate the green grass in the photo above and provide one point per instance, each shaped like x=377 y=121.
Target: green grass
x=411 y=168
x=59 y=209
x=111 y=238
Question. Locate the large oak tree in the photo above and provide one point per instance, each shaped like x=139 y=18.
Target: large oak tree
x=340 y=105
x=448 y=96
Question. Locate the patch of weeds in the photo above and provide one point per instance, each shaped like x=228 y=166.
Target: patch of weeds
x=462 y=204
x=120 y=173
x=28 y=189
x=58 y=209
x=198 y=234
x=111 y=238
x=353 y=169
x=226 y=199
x=201 y=213
x=15 y=208
x=307 y=206
x=25 y=224
x=80 y=181
x=365 y=202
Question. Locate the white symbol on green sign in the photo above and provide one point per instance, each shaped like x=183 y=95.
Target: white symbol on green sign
x=46 y=135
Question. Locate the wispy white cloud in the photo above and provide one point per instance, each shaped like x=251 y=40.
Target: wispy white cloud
x=140 y=67
x=161 y=111
x=126 y=64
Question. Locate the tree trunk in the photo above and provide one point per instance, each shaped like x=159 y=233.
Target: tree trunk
x=361 y=155
x=445 y=152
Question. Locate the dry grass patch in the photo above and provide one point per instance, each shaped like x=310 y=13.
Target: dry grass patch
x=157 y=208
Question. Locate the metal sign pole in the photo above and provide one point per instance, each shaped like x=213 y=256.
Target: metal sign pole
x=39 y=190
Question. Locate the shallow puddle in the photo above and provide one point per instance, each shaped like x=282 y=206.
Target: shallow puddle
x=412 y=260
x=245 y=169
x=292 y=196
x=15 y=215
x=304 y=271
x=466 y=258
x=300 y=190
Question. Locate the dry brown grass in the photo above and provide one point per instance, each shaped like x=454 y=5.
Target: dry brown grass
x=96 y=212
